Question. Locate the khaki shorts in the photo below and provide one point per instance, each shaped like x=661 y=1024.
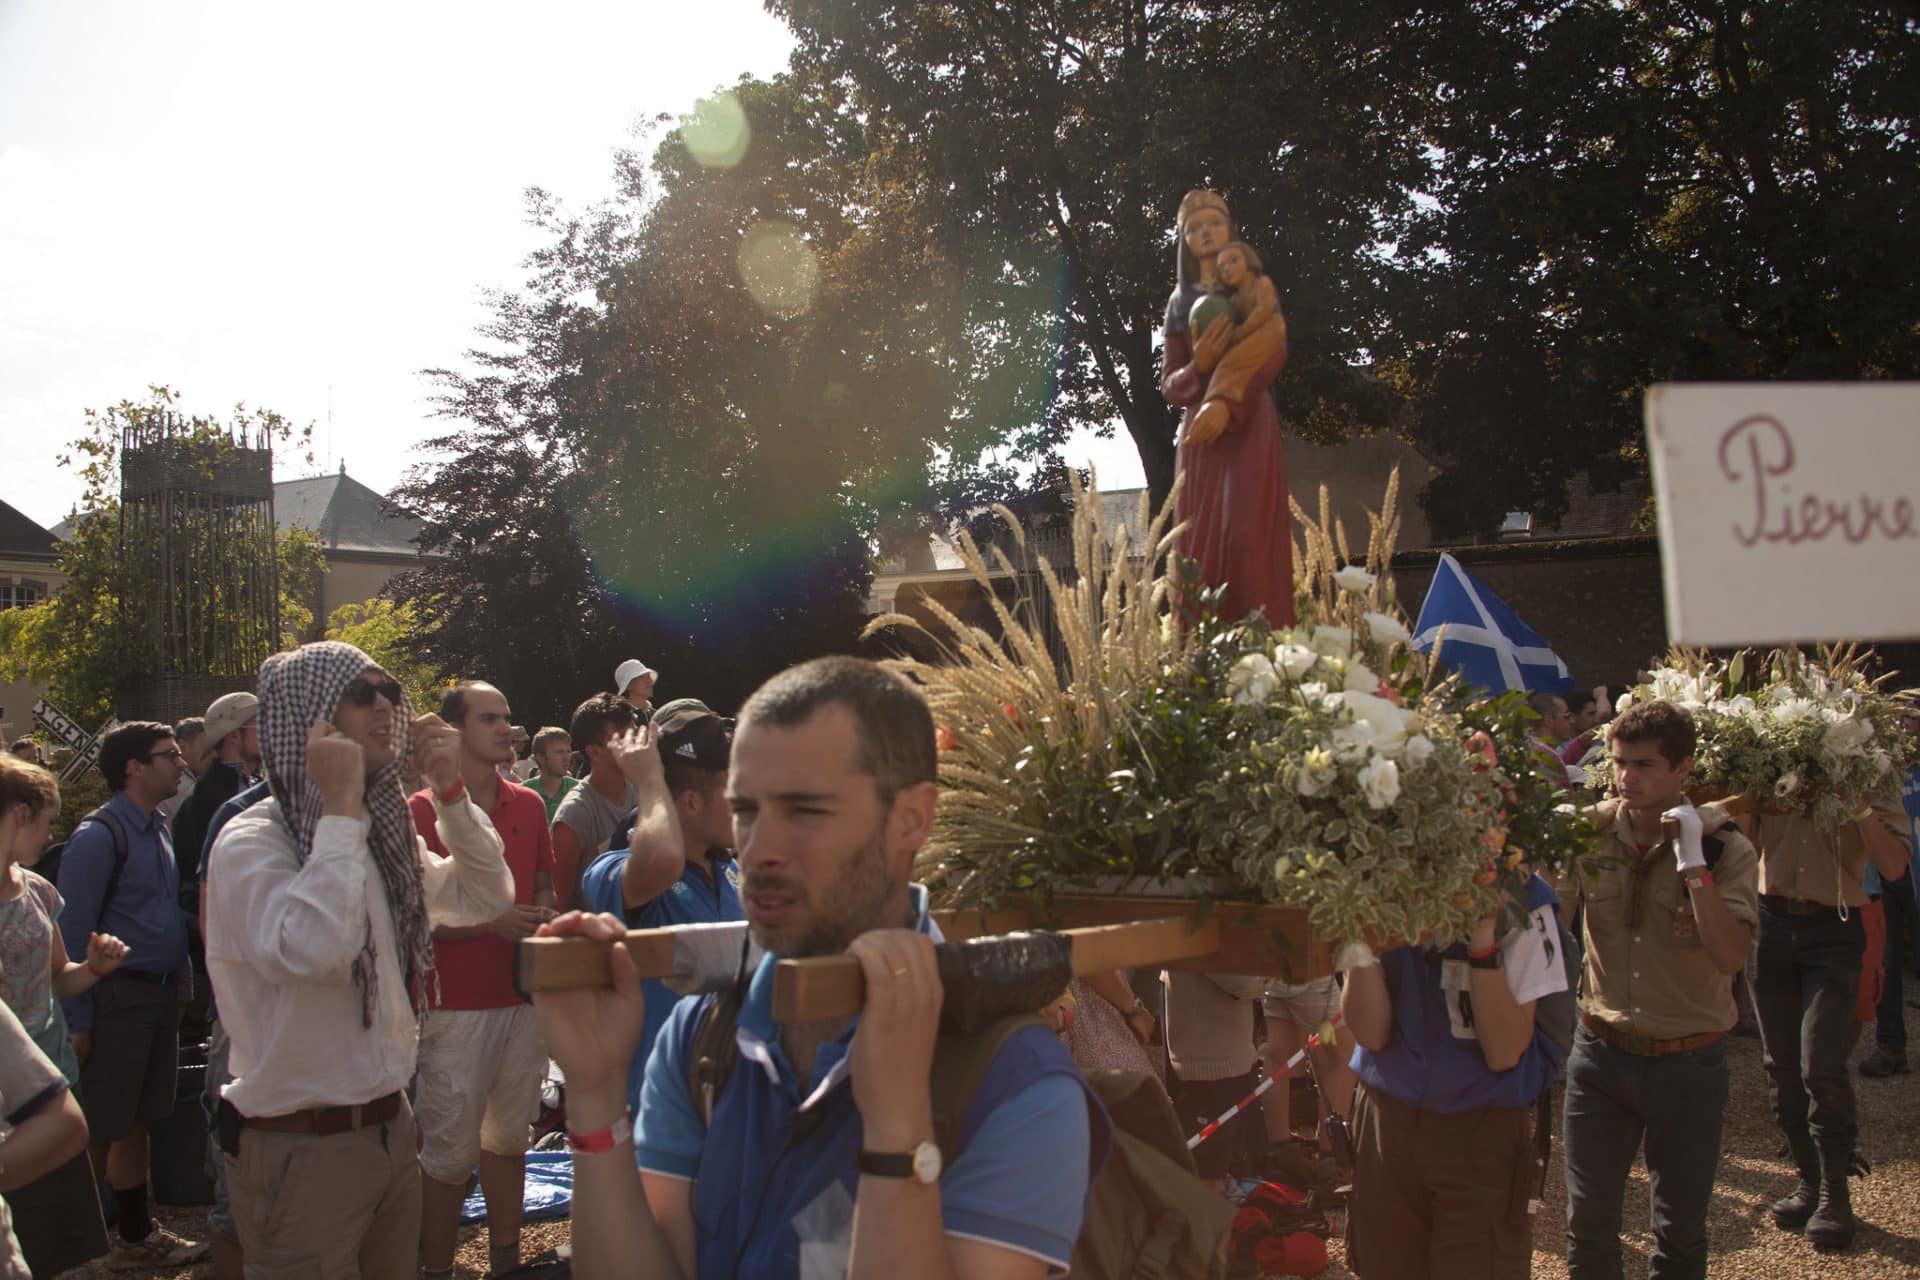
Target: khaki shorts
x=480 y=1075
x=1305 y=1004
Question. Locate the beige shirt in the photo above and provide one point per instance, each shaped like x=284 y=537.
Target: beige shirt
x=1647 y=973
x=282 y=937
x=1799 y=860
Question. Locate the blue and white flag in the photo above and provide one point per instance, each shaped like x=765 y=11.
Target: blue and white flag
x=1485 y=641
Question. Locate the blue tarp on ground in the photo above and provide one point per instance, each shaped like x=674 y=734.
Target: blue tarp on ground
x=549 y=1189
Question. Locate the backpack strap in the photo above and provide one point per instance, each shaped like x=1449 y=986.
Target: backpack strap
x=715 y=1052
x=960 y=1065
x=119 y=834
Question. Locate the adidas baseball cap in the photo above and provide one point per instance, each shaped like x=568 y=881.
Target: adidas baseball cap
x=691 y=733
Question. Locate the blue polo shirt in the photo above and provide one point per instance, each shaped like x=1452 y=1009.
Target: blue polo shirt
x=145 y=911
x=1433 y=1058
x=697 y=897
x=775 y=1182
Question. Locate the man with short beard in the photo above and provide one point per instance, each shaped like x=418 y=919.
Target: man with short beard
x=820 y=1145
x=482 y=1062
x=319 y=906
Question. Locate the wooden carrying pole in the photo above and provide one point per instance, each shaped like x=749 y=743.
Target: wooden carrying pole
x=832 y=986
x=835 y=987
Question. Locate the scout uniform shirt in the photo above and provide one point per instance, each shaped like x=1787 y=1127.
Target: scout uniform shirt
x=1799 y=860
x=1647 y=973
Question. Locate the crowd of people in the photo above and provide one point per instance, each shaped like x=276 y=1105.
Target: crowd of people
x=331 y=883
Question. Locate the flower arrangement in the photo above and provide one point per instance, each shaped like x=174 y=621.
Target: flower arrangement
x=1799 y=734
x=1311 y=765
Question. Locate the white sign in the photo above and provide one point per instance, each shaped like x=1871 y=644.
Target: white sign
x=1789 y=512
x=60 y=725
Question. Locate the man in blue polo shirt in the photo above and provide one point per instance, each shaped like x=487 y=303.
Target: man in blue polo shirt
x=672 y=859
x=818 y=1157
x=126 y=1031
x=1451 y=1060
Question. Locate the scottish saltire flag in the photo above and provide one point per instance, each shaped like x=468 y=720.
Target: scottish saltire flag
x=1485 y=641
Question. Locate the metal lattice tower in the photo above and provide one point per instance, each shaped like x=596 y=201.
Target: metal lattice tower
x=197 y=542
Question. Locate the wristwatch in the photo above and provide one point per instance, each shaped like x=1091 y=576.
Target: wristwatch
x=922 y=1164
x=1489 y=961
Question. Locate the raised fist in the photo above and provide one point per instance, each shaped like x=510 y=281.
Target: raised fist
x=337 y=766
x=436 y=749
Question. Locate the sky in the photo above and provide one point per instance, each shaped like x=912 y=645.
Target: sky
x=300 y=207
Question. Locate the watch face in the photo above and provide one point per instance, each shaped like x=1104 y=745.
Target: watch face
x=926 y=1163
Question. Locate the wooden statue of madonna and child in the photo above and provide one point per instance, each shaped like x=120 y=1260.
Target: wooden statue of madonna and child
x=1225 y=344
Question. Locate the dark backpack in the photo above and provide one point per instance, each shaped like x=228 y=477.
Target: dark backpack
x=1149 y=1216
x=49 y=866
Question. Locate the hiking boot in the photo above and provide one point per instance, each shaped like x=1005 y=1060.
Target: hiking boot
x=1792 y=1212
x=160 y=1250
x=1883 y=1062
x=1831 y=1225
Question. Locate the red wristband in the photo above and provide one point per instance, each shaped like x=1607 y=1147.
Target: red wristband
x=1482 y=955
x=592 y=1144
x=1705 y=877
x=459 y=789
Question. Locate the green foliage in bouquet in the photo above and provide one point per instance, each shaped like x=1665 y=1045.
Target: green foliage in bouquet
x=1312 y=765
x=1812 y=735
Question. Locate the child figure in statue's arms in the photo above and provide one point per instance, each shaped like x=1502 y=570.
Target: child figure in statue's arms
x=1258 y=334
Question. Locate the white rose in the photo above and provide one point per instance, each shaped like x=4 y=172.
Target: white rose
x=1419 y=750
x=1787 y=785
x=1312 y=691
x=1380 y=780
x=1354 y=741
x=1252 y=680
x=1355 y=579
x=1361 y=680
x=1387 y=725
x=1849 y=737
x=1295 y=660
x=1621 y=703
x=1334 y=642
x=1386 y=629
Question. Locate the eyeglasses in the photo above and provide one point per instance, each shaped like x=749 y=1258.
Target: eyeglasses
x=363 y=691
x=171 y=753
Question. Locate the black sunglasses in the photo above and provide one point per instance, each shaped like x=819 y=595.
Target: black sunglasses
x=363 y=691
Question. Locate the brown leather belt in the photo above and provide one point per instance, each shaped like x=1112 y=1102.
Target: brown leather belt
x=1645 y=1047
x=325 y=1120
x=1795 y=906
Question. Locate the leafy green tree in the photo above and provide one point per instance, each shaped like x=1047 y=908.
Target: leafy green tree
x=85 y=641
x=717 y=395
x=1633 y=193
x=390 y=634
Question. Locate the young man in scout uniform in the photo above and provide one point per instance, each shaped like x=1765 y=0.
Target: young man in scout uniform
x=1666 y=926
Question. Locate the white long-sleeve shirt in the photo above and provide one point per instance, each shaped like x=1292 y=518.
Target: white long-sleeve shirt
x=282 y=938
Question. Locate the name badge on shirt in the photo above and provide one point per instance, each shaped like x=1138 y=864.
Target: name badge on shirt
x=1456 y=985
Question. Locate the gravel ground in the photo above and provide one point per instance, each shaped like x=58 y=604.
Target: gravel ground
x=1745 y=1243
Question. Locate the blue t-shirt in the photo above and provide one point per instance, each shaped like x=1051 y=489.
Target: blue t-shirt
x=775 y=1191
x=1433 y=1058
x=697 y=897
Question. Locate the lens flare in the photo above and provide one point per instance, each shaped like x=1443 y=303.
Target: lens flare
x=779 y=268
x=716 y=131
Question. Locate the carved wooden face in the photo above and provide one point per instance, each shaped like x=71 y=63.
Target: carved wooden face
x=1206 y=232
x=1231 y=266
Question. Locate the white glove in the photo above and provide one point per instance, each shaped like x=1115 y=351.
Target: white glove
x=1354 y=955
x=1687 y=854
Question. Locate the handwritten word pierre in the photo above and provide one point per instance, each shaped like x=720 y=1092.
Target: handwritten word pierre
x=1758 y=451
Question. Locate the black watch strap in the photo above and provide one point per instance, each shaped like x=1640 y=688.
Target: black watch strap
x=1489 y=961
x=885 y=1164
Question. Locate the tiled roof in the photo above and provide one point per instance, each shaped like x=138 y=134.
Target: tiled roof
x=346 y=514
x=22 y=538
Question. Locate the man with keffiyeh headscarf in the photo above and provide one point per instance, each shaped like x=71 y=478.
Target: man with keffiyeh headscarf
x=319 y=906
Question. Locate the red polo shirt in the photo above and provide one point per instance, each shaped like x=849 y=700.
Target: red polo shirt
x=477 y=973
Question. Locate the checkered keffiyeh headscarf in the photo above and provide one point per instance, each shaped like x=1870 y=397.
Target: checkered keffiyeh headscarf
x=296 y=690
